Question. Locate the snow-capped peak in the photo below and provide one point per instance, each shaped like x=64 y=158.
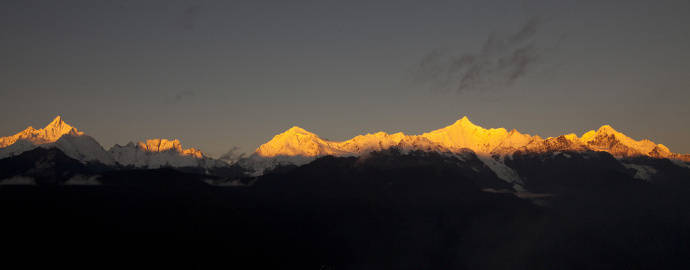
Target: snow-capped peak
x=161 y=145
x=465 y=122
x=606 y=138
x=58 y=127
x=156 y=153
x=295 y=141
x=465 y=134
x=49 y=134
x=58 y=134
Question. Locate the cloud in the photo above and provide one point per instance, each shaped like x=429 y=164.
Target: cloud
x=190 y=16
x=184 y=15
x=233 y=155
x=182 y=96
x=499 y=63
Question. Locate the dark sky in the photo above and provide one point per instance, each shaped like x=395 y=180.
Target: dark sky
x=218 y=74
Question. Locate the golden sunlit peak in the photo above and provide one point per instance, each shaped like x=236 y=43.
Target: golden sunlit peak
x=296 y=129
x=56 y=121
x=162 y=145
x=58 y=124
x=464 y=121
x=571 y=136
x=606 y=129
x=50 y=133
x=159 y=145
x=58 y=127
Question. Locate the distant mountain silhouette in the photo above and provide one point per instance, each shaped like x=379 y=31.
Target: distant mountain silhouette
x=389 y=209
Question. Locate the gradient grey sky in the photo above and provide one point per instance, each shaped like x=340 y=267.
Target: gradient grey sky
x=218 y=74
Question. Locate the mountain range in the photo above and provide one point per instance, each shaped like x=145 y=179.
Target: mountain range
x=460 y=197
x=493 y=146
x=497 y=148
x=463 y=134
x=152 y=153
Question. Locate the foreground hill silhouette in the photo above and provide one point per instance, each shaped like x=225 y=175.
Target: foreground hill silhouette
x=390 y=210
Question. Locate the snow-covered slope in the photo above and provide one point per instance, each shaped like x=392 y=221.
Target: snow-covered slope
x=16 y=148
x=83 y=148
x=58 y=134
x=298 y=146
x=156 y=153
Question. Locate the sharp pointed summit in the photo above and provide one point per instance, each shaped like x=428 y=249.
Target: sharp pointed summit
x=49 y=134
x=58 y=127
x=463 y=122
x=56 y=121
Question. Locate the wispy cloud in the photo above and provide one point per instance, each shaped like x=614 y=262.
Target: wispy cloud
x=501 y=61
x=190 y=16
x=233 y=155
x=181 y=96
